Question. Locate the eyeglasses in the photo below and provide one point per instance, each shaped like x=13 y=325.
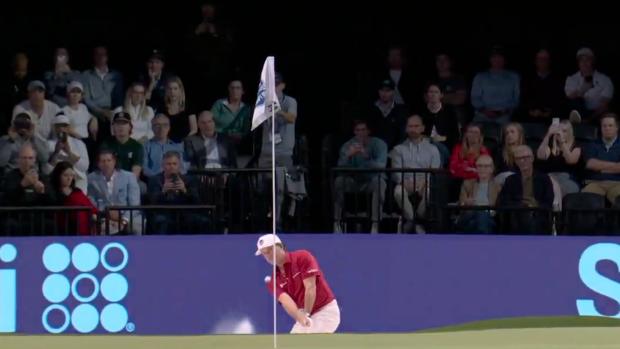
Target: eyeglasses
x=161 y=125
x=522 y=158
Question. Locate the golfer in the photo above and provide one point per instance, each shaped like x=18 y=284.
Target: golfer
x=301 y=287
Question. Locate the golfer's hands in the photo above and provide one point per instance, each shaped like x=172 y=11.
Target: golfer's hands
x=303 y=318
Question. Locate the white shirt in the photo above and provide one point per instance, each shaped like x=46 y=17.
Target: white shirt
x=395 y=76
x=602 y=88
x=79 y=119
x=43 y=123
x=142 y=126
x=101 y=73
x=110 y=184
x=81 y=167
x=213 y=153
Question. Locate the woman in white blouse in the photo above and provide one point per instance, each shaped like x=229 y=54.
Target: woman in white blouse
x=141 y=114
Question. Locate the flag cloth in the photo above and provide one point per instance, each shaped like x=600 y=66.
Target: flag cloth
x=266 y=100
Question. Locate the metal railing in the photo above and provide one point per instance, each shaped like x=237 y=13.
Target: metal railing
x=157 y=220
x=46 y=220
x=508 y=220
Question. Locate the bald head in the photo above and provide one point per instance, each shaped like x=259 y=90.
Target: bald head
x=206 y=124
x=27 y=157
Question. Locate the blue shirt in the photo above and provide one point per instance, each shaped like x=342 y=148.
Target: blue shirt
x=376 y=151
x=598 y=150
x=495 y=90
x=154 y=153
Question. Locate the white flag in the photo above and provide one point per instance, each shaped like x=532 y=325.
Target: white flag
x=267 y=100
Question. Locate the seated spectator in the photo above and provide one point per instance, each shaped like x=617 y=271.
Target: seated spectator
x=170 y=187
x=542 y=91
x=559 y=156
x=387 y=118
x=141 y=114
x=109 y=186
x=453 y=86
x=440 y=122
x=284 y=144
x=65 y=148
x=59 y=78
x=25 y=186
x=182 y=119
x=129 y=153
x=103 y=90
x=588 y=90
x=208 y=148
x=22 y=132
x=363 y=152
x=159 y=145
x=232 y=116
x=495 y=93
x=527 y=188
x=67 y=194
x=155 y=81
x=41 y=110
x=482 y=191
x=465 y=154
x=504 y=156
x=414 y=153
x=602 y=159
x=84 y=126
x=16 y=88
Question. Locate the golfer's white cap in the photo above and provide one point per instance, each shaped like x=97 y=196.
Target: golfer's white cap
x=266 y=240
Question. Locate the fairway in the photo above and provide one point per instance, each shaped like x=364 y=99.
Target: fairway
x=539 y=338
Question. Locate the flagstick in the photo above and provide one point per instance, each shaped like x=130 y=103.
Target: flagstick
x=273 y=218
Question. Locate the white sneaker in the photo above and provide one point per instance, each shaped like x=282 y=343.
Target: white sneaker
x=574 y=117
x=374 y=229
x=337 y=228
x=419 y=229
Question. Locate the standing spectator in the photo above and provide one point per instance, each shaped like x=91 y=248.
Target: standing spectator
x=109 y=186
x=59 y=78
x=155 y=81
x=406 y=91
x=103 y=90
x=440 y=122
x=506 y=164
x=464 y=155
x=560 y=155
x=527 y=188
x=453 y=86
x=67 y=194
x=157 y=146
x=182 y=120
x=129 y=153
x=284 y=142
x=208 y=148
x=495 y=93
x=543 y=97
x=16 y=89
x=69 y=149
x=232 y=116
x=363 y=152
x=482 y=191
x=387 y=117
x=602 y=159
x=41 y=110
x=170 y=187
x=588 y=90
x=21 y=133
x=141 y=114
x=415 y=153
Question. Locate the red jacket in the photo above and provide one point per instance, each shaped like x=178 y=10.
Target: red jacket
x=458 y=164
x=77 y=219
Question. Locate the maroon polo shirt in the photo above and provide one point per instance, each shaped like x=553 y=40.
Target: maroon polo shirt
x=299 y=265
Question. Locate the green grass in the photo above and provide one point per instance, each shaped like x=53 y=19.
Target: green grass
x=515 y=333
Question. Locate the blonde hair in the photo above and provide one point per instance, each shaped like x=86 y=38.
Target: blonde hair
x=508 y=151
x=142 y=108
x=168 y=98
x=468 y=148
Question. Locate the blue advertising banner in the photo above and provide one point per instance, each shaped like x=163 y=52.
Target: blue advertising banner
x=215 y=284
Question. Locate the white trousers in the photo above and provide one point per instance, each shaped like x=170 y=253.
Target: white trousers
x=325 y=320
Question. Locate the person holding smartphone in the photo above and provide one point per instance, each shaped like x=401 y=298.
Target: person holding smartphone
x=588 y=90
x=57 y=79
x=65 y=147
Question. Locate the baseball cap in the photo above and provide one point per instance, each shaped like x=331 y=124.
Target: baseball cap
x=157 y=54
x=585 y=51
x=61 y=119
x=121 y=116
x=75 y=84
x=387 y=83
x=22 y=121
x=279 y=78
x=266 y=240
x=36 y=85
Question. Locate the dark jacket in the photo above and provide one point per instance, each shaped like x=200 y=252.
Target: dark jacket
x=157 y=197
x=16 y=195
x=512 y=191
x=196 y=153
x=390 y=128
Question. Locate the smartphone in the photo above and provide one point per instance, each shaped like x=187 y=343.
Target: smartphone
x=62 y=136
